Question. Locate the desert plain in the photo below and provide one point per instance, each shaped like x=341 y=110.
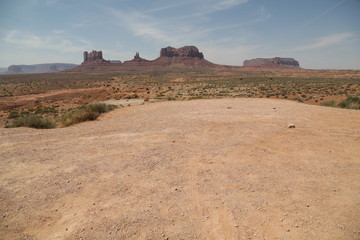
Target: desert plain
x=193 y=155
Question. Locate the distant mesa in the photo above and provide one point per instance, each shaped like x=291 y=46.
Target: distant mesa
x=187 y=51
x=272 y=62
x=39 y=68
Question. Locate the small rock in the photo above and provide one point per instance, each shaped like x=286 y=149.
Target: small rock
x=291 y=125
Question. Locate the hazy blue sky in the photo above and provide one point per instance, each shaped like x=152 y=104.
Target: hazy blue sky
x=318 y=33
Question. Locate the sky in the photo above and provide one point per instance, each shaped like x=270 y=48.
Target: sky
x=320 y=34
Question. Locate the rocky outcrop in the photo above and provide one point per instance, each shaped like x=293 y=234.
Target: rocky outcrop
x=116 y=61
x=39 y=68
x=184 y=57
x=94 y=56
x=272 y=62
x=137 y=59
x=187 y=51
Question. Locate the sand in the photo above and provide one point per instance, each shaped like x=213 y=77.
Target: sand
x=202 y=169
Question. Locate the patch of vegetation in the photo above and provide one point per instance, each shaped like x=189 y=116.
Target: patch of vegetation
x=32 y=121
x=196 y=97
x=46 y=110
x=13 y=115
x=84 y=113
x=329 y=103
x=170 y=98
x=352 y=102
x=69 y=117
x=297 y=99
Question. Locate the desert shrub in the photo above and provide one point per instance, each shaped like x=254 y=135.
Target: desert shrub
x=297 y=99
x=196 y=97
x=46 y=110
x=13 y=115
x=352 y=102
x=329 y=103
x=270 y=95
x=85 y=113
x=33 y=121
x=98 y=107
x=170 y=98
x=354 y=99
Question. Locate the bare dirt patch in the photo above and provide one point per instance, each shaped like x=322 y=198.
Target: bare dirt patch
x=204 y=169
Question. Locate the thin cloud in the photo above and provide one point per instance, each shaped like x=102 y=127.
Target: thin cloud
x=54 y=42
x=41 y=2
x=326 y=41
x=146 y=26
x=166 y=7
x=215 y=6
x=180 y=28
x=202 y=9
x=320 y=15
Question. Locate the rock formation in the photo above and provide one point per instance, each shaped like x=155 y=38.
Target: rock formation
x=184 y=57
x=187 y=51
x=272 y=62
x=136 y=59
x=94 y=56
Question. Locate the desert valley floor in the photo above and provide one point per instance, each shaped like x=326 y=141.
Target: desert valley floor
x=200 y=169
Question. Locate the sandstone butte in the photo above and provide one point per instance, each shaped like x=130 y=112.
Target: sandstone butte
x=188 y=56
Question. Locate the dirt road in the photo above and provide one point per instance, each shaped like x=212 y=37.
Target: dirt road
x=204 y=169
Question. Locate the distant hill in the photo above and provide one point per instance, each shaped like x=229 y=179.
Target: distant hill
x=272 y=62
x=2 y=69
x=39 y=68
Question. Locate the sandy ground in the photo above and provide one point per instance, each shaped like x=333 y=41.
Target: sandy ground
x=203 y=169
